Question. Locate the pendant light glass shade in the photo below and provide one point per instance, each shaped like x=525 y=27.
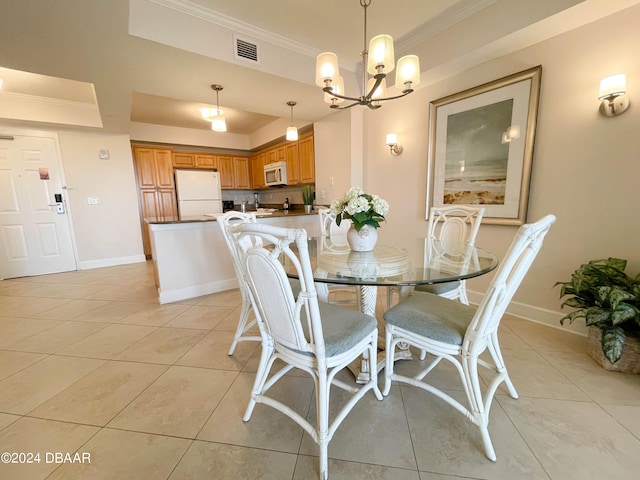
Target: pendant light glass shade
x=292 y=133
x=408 y=71
x=218 y=124
x=380 y=54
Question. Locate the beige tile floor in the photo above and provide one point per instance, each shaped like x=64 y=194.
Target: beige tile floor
x=90 y=363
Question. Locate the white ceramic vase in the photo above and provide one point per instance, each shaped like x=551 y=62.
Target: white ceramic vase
x=363 y=240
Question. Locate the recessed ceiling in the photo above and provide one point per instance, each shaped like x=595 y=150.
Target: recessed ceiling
x=159 y=110
x=140 y=77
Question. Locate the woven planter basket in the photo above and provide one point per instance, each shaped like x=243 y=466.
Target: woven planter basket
x=629 y=361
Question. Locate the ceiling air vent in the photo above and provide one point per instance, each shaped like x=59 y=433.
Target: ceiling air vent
x=245 y=50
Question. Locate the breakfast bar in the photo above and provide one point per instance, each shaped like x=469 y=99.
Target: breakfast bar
x=191 y=259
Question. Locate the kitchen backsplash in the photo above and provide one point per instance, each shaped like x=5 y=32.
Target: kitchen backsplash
x=273 y=196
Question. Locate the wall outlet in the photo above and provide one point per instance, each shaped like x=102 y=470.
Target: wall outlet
x=323 y=194
x=93 y=200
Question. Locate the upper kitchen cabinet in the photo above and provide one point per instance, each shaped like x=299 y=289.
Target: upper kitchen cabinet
x=306 y=155
x=227 y=172
x=184 y=159
x=257 y=170
x=242 y=173
x=154 y=167
x=293 y=163
x=206 y=161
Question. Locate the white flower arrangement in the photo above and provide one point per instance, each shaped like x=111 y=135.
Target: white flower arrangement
x=361 y=208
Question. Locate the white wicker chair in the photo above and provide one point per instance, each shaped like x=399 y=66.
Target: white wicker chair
x=225 y=221
x=456 y=227
x=335 y=236
x=316 y=337
x=460 y=333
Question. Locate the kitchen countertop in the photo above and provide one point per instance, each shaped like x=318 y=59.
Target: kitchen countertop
x=293 y=212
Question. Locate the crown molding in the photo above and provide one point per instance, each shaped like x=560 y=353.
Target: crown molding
x=446 y=19
x=208 y=15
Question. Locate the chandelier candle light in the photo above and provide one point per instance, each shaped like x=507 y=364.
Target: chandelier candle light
x=365 y=212
x=377 y=60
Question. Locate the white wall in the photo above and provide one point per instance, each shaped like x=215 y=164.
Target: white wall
x=108 y=233
x=586 y=167
x=339 y=154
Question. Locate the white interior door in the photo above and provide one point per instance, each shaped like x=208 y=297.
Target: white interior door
x=35 y=233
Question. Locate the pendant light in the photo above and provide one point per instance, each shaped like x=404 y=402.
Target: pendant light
x=292 y=132
x=218 y=123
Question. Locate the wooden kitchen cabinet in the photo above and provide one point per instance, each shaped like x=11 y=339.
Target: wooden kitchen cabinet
x=293 y=164
x=242 y=173
x=306 y=156
x=184 y=159
x=156 y=188
x=257 y=170
x=206 y=161
x=227 y=172
x=271 y=156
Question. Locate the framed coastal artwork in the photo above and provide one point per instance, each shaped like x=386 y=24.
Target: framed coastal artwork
x=481 y=147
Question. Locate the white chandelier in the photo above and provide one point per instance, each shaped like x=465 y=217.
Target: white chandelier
x=378 y=61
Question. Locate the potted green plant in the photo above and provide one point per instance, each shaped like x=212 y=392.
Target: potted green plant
x=609 y=301
x=308 y=194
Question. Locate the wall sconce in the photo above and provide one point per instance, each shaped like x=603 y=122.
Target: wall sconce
x=392 y=143
x=613 y=91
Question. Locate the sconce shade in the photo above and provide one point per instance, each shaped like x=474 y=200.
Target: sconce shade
x=408 y=72
x=326 y=68
x=392 y=143
x=380 y=54
x=392 y=139
x=613 y=86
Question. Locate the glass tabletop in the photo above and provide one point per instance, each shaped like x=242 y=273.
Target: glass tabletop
x=417 y=261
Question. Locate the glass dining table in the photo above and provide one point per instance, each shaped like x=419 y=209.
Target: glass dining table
x=402 y=264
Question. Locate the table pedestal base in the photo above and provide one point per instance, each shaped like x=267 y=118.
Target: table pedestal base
x=361 y=368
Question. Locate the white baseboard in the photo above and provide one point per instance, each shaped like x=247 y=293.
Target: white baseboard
x=178 y=294
x=110 y=262
x=535 y=314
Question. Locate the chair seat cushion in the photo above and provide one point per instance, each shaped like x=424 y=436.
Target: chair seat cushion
x=343 y=328
x=432 y=317
x=438 y=288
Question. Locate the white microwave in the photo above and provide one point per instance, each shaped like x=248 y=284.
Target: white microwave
x=275 y=174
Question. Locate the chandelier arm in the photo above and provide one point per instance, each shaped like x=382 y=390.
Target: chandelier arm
x=330 y=92
x=338 y=107
x=379 y=77
x=403 y=94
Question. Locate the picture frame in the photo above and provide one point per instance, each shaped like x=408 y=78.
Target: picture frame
x=481 y=147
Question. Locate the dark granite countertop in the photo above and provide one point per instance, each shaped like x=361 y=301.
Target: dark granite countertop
x=292 y=212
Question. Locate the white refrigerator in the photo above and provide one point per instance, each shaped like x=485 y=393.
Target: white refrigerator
x=198 y=193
